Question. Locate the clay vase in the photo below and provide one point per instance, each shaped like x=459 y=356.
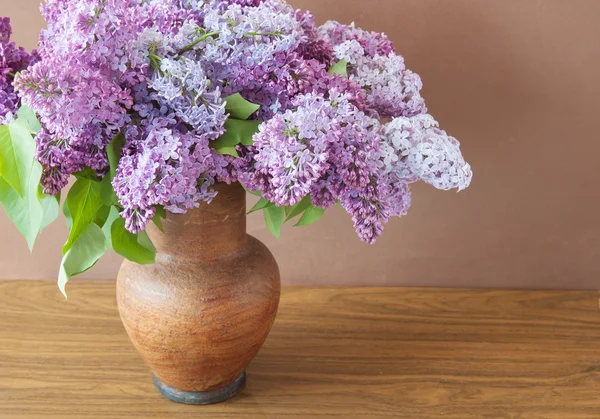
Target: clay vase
x=202 y=311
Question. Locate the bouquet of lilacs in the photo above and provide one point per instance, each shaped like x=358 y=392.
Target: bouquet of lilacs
x=149 y=103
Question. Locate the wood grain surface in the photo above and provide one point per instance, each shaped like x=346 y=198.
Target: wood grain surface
x=333 y=353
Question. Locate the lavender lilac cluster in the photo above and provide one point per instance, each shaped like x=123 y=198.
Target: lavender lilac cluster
x=13 y=59
x=157 y=71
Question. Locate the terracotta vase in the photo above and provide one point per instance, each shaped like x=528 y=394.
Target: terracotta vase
x=201 y=313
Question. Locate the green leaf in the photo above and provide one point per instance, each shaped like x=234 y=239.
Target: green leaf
x=237 y=132
x=146 y=243
x=299 y=208
x=255 y=193
x=136 y=247
x=157 y=220
x=26 y=213
x=83 y=254
x=238 y=107
x=113 y=152
x=247 y=131
x=84 y=200
x=274 y=217
x=28 y=115
x=17 y=153
x=161 y=214
x=261 y=204
x=340 y=68
x=107 y=227
x=68 y=217
x=87 y=173
x=161 y=211
x=50 y=208
x=109 y=197
x=310 y=216
x=102 y=215
x=158 y=223
x=227 y=150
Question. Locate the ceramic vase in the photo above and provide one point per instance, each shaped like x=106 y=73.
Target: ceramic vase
x=202 y=311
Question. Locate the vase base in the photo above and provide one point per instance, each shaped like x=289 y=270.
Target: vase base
x=200 y=397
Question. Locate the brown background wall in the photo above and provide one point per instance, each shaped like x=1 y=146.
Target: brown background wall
x=517 y=81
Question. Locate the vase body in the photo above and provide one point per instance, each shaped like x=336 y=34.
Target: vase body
x=202 y=311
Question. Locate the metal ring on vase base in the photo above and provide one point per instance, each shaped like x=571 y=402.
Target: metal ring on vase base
x=200 y=397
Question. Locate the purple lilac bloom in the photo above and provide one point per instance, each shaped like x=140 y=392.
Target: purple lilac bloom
x=182 y=86
x=5 y=30
x=264 y=50
x=164 y=167
x=357 y=165
x=13 y=59
x=292 y=152
x=329 y=149
x=157 y=71
x=398 y=196
x=251 y=36
x=247 y=3
x=81 y=88
x=314 y=47
x=373 y=43
x=253 y=52
x=368 y=209
x=92 y=83
x=391 y=89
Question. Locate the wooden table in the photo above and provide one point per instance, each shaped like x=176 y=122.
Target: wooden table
x=333 y=353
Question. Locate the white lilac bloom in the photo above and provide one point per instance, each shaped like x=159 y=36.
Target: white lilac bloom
x=419 y=150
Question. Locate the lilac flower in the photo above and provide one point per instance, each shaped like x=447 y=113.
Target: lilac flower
x=251 y=35
x=12 y=60
x=164 y=167
x=183 y=86
x=137 y=219
x=8 y=118
x=398 y=195
x=368 y=209
x=314 y=47
x=5 y=30
x=372 y=43
x=247 y=3
x=61 y=157
x=329 y=149
x=292 y=152
x=70 y=102
x=156 y=71
x=391 y=89
x=419 y=150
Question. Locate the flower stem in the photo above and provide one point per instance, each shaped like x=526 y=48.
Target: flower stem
x=191 y=46
x=276 y=34
x=263 y=33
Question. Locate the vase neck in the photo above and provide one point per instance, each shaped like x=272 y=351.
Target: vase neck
x=207 y=232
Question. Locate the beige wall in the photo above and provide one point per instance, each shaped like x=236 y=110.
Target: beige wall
x=517 y=82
